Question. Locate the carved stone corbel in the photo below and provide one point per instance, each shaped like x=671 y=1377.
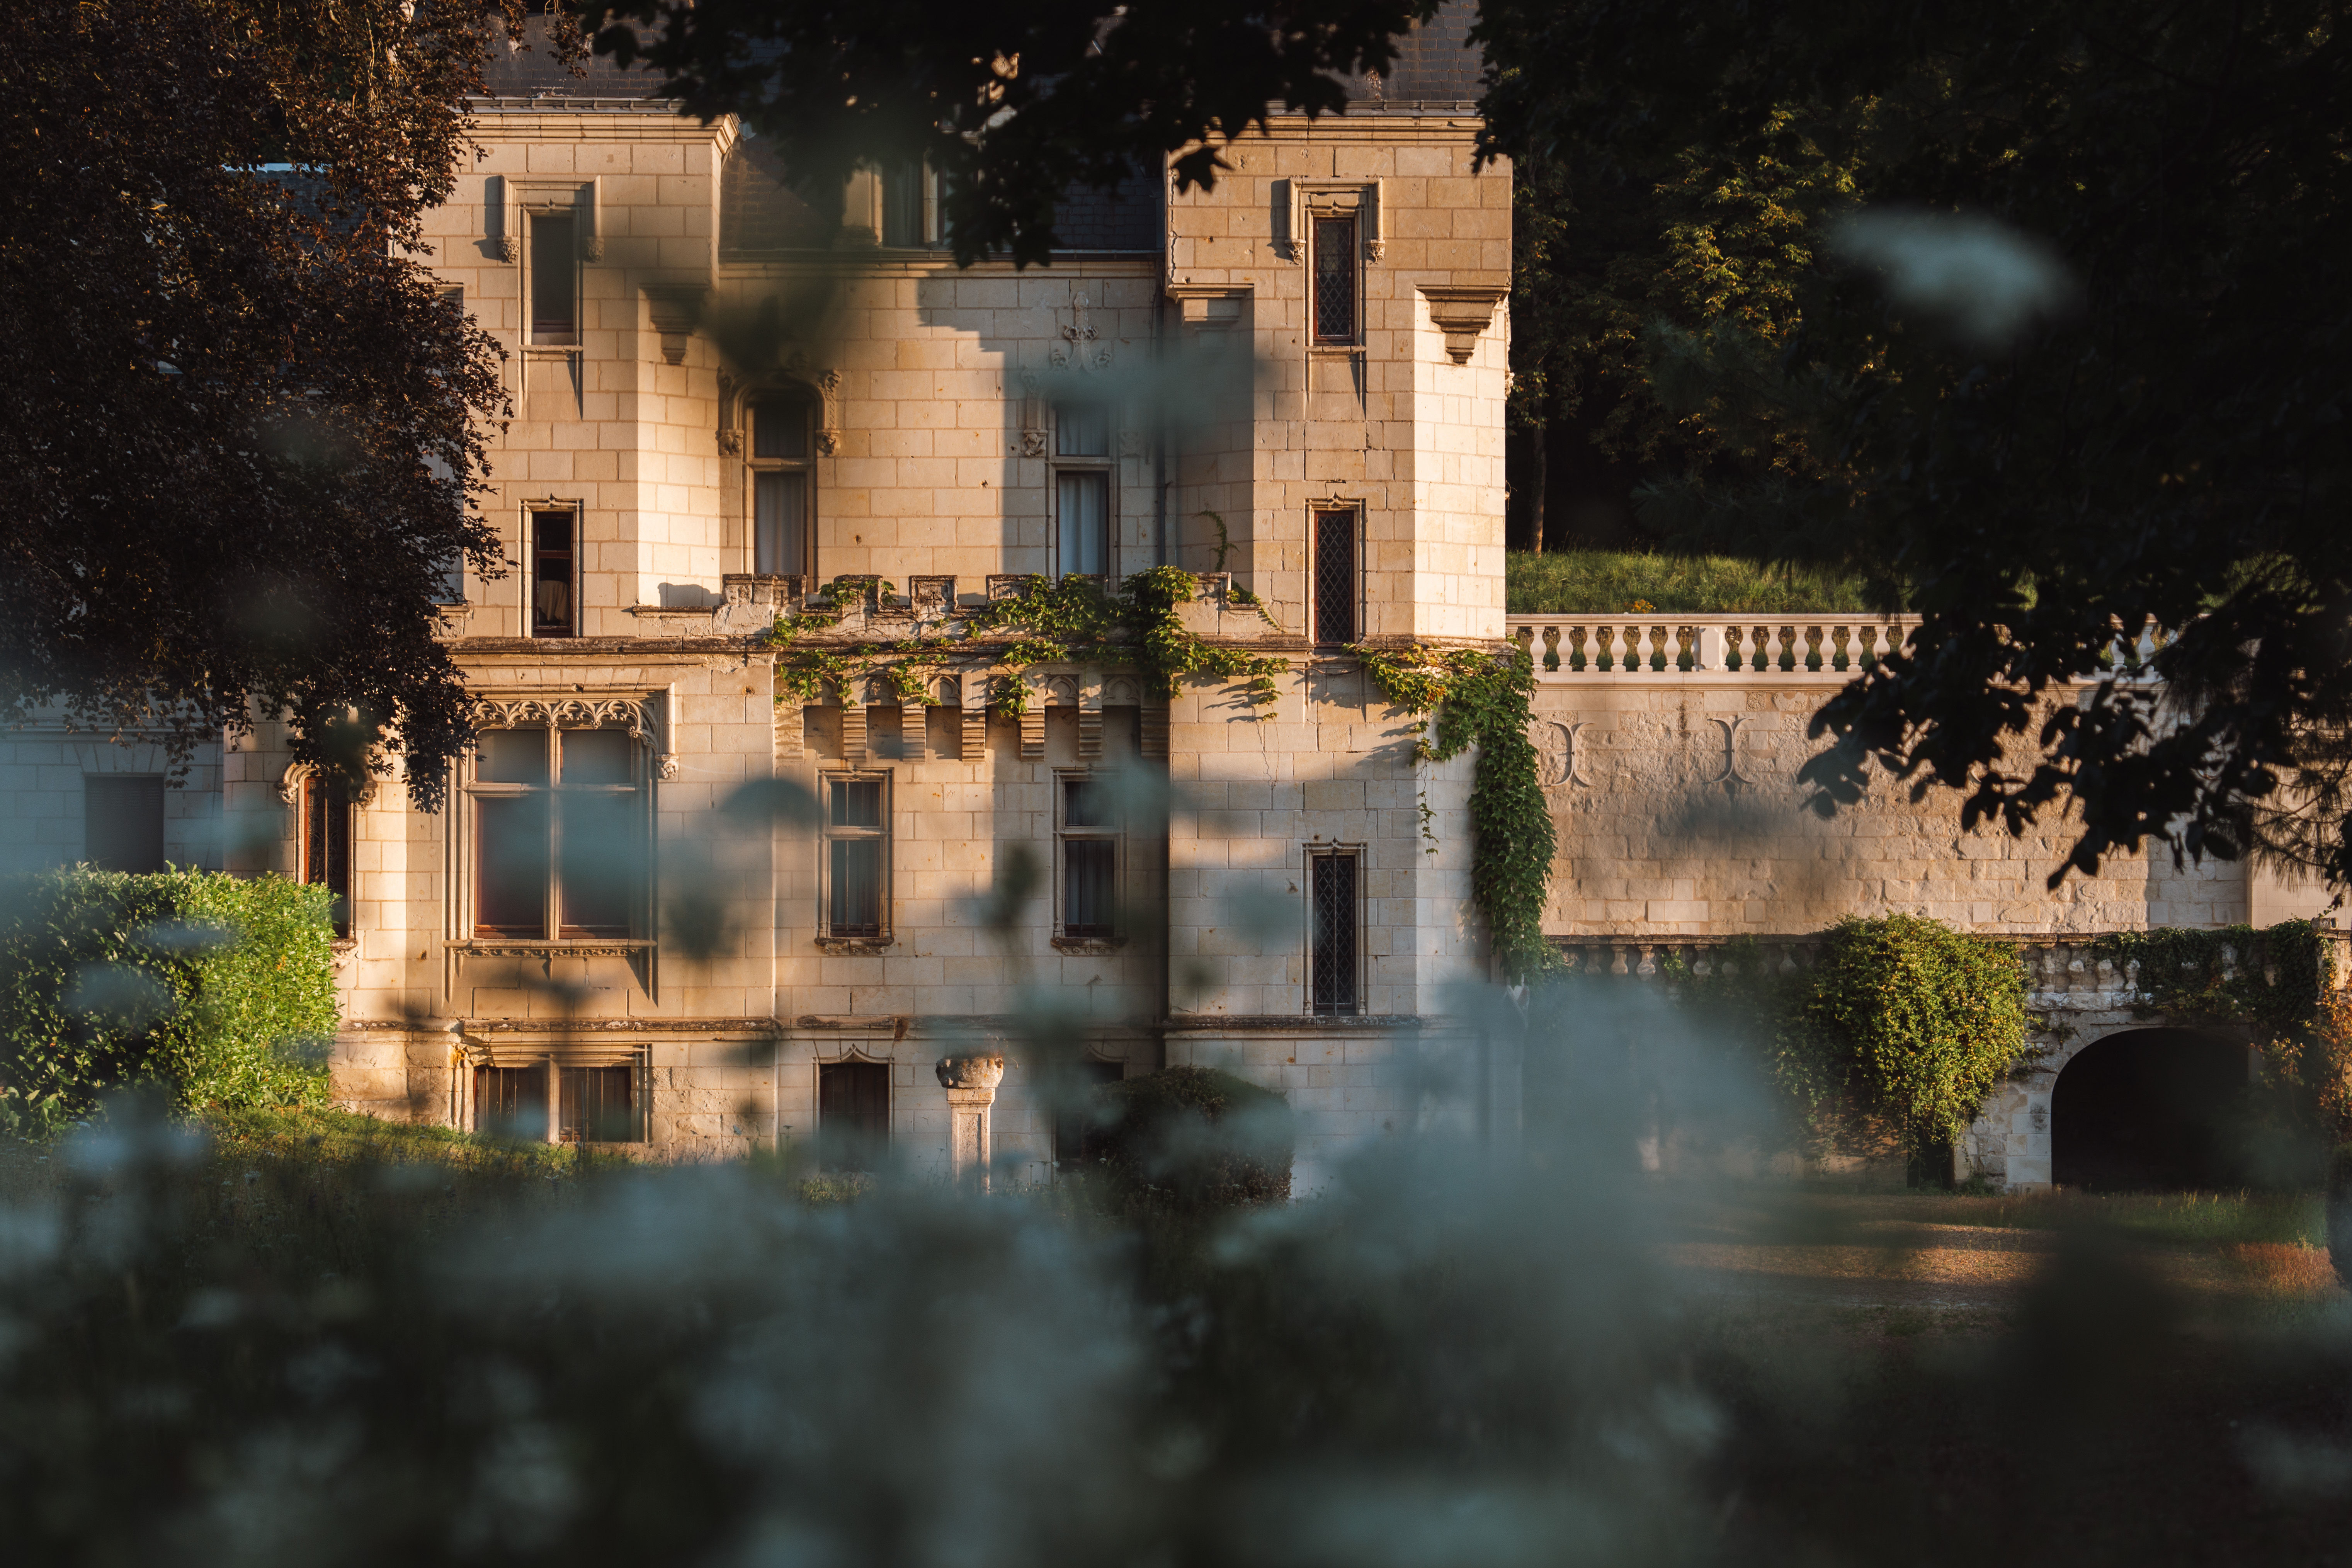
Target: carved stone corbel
x=1462 y=314
x=675 y=311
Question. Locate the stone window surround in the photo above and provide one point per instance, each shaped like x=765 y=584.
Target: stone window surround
x=1304 y=201
x=526 y=508
x=1107 y=465
x=1357 y=505
x=1321 y=848
x=1063 y=834
x=822 y=387
x=643 y=715
x=552 y=1056
x=825 y=838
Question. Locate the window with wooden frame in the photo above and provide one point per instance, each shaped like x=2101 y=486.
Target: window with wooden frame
x=1087 y=846
x=1082 y=490
x=853 y=1114
x=1332 y=921
x=1338 y=308
x=554 y=547
x=855 y=866
x=784 y=481
x=1335 y=581
x=559 y=834
x=122 y=821
x=555 y=278
x=326 y=842
x=592 y=1104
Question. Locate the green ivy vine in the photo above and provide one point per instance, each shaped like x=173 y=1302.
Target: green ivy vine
x=1895 y=1035
x=1135 y=627
x=1482 y=699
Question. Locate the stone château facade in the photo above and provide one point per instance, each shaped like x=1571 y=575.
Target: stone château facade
x=1293 y=386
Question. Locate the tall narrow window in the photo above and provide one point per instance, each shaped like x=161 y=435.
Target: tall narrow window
x=858 y=856
x=554 y=280
x=122 y=821
x=559 y=829
x=1334 y=280
x=779 y=486
x=1335 y=578
x=853 y=1113
x=902 y=203
x=1331 y=931
x=554 y=576
x=1089 y=853
x=327 y=842
x=1082 y=512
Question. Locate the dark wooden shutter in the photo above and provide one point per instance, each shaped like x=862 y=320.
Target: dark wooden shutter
x=512 y=1102
x=853 y=1113
x=598 y=1105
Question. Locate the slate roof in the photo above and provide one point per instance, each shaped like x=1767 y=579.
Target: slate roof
x=1435 y=65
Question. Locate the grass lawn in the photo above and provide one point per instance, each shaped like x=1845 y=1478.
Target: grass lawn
x=1613 y=582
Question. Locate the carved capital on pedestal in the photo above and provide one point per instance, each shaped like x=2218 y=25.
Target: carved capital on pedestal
x=982 y=1070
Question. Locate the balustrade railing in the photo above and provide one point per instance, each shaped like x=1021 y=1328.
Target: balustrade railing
x=2055 y=966
x=1755 y=645
x=1759 y=647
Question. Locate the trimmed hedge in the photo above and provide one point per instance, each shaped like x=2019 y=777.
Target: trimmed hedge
x=1193 y=1138
x=219 y=987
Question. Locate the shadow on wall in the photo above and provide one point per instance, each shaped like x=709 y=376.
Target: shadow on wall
x=2150 y=1109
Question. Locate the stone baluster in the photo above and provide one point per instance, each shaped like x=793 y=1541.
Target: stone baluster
x=970 y=1084
x=1551 y=648
x=1841 y=656
x=1525 y=636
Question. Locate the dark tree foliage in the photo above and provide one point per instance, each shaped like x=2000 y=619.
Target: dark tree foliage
x=2169 y=454
x=241 y=434
x=1013 y=100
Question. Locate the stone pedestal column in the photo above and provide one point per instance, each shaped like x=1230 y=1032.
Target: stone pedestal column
x=970 y=1083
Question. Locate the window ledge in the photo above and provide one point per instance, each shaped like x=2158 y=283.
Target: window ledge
x=856 y=946
x=567 y=947
x=1090 y=943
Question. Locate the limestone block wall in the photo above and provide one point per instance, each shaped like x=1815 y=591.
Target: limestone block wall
x=936 y=388
x=1392 y=424
x=1679 y=813
x=1255 y=790
x=610 y=424
x=42 y=767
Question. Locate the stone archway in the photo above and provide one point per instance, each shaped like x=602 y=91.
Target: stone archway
x=2147 y=1109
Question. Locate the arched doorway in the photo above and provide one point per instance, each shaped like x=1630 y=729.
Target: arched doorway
x=2148 y=1109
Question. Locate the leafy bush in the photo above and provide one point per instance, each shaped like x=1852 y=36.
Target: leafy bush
x=1192 y=1138
x=1894 y=1038
x=221 y=987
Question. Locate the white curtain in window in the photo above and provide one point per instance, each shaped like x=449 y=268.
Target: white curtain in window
x=779 y=525
x=1084 y=511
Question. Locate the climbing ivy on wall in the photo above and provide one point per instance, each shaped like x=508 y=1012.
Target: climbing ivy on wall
x=1135 y=626
x=1896 y=1034
x=2280 y=981
x=1481 y=699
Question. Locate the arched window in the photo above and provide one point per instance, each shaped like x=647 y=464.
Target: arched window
x=782 y=485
